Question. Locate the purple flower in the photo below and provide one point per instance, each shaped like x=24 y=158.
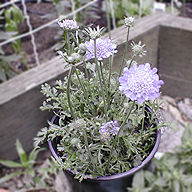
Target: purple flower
x=140 y=83
x=109 y=127
x=68 y=24
x=104 y=48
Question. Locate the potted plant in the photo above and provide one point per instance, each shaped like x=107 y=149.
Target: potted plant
x=104 y=127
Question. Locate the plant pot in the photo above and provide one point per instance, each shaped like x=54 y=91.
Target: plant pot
x=113 y=183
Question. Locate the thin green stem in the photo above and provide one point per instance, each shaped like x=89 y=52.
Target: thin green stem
x=12 y=68
x=68 y=43
x=143 y=120
x=109 y=80
x=68 y=92
x=100 y=80
x=85 y=67
x=88 y=150
x=125 y=50
x=106 y=92
x=116 y=138
x=108 y=19
x=74 y=38
x=84 y=90
x=131 y=61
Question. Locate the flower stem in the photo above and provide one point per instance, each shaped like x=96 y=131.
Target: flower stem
x=101 y=84
x=125 y=50
x=107 y=94
x=68 y=92
x=143 y=120
x=115 y=140
x=68 y=44
x=85 y=67
x=87 y=146
x=108 y=19
x=74 y=38
x=131 y=61
x=84 y=90
x=109 y=80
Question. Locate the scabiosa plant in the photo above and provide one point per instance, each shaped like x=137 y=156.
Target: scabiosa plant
x=140 y=83
x=104 y=48
x=100 y=130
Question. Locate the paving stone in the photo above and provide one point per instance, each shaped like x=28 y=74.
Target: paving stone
x=4 y=190
x=185 y=109
x=61 y=183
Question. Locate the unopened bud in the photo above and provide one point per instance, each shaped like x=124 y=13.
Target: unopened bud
x=75 y=141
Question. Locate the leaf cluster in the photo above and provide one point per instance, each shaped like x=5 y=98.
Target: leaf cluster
x=36 y=177
x=173 y=172
x=136 y=138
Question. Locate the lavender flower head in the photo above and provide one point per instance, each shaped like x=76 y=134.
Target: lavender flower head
x=109 y=127
x=140 y=83
x=104 y=48
x=68 y=24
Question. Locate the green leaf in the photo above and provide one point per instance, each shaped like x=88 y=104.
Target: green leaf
x=10 y=176
x=31 y=172
x=10 y=164
x=160 y=182
x=33 y=154
x=176 y=186
x=187 y=134
x=21 y=153
x=138 y=179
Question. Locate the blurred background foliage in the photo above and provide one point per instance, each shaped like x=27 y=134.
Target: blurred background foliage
x=14 y=58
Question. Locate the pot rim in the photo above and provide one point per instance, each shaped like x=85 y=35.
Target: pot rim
x=119 y=175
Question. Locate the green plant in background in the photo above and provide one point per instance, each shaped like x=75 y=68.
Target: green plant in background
x=13 y=16
x=92 y=11
x=36 y=177
x=173 y=172
x=136 y=8
x=5 y=67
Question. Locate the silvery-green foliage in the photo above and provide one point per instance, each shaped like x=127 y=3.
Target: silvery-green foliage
x=100 y=130
x=74 y=154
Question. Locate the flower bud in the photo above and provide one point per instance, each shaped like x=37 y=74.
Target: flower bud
x=83 y=47
x=138 y=49
x=68 y=25
x=129 y=21
x=75 y=141
x=74 y=58
x=94 y=33
x=70 y=59
x=78 y=124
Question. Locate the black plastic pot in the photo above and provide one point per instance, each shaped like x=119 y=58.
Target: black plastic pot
x=113 y=183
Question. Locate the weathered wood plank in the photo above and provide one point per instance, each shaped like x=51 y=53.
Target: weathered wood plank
x=175 y=60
